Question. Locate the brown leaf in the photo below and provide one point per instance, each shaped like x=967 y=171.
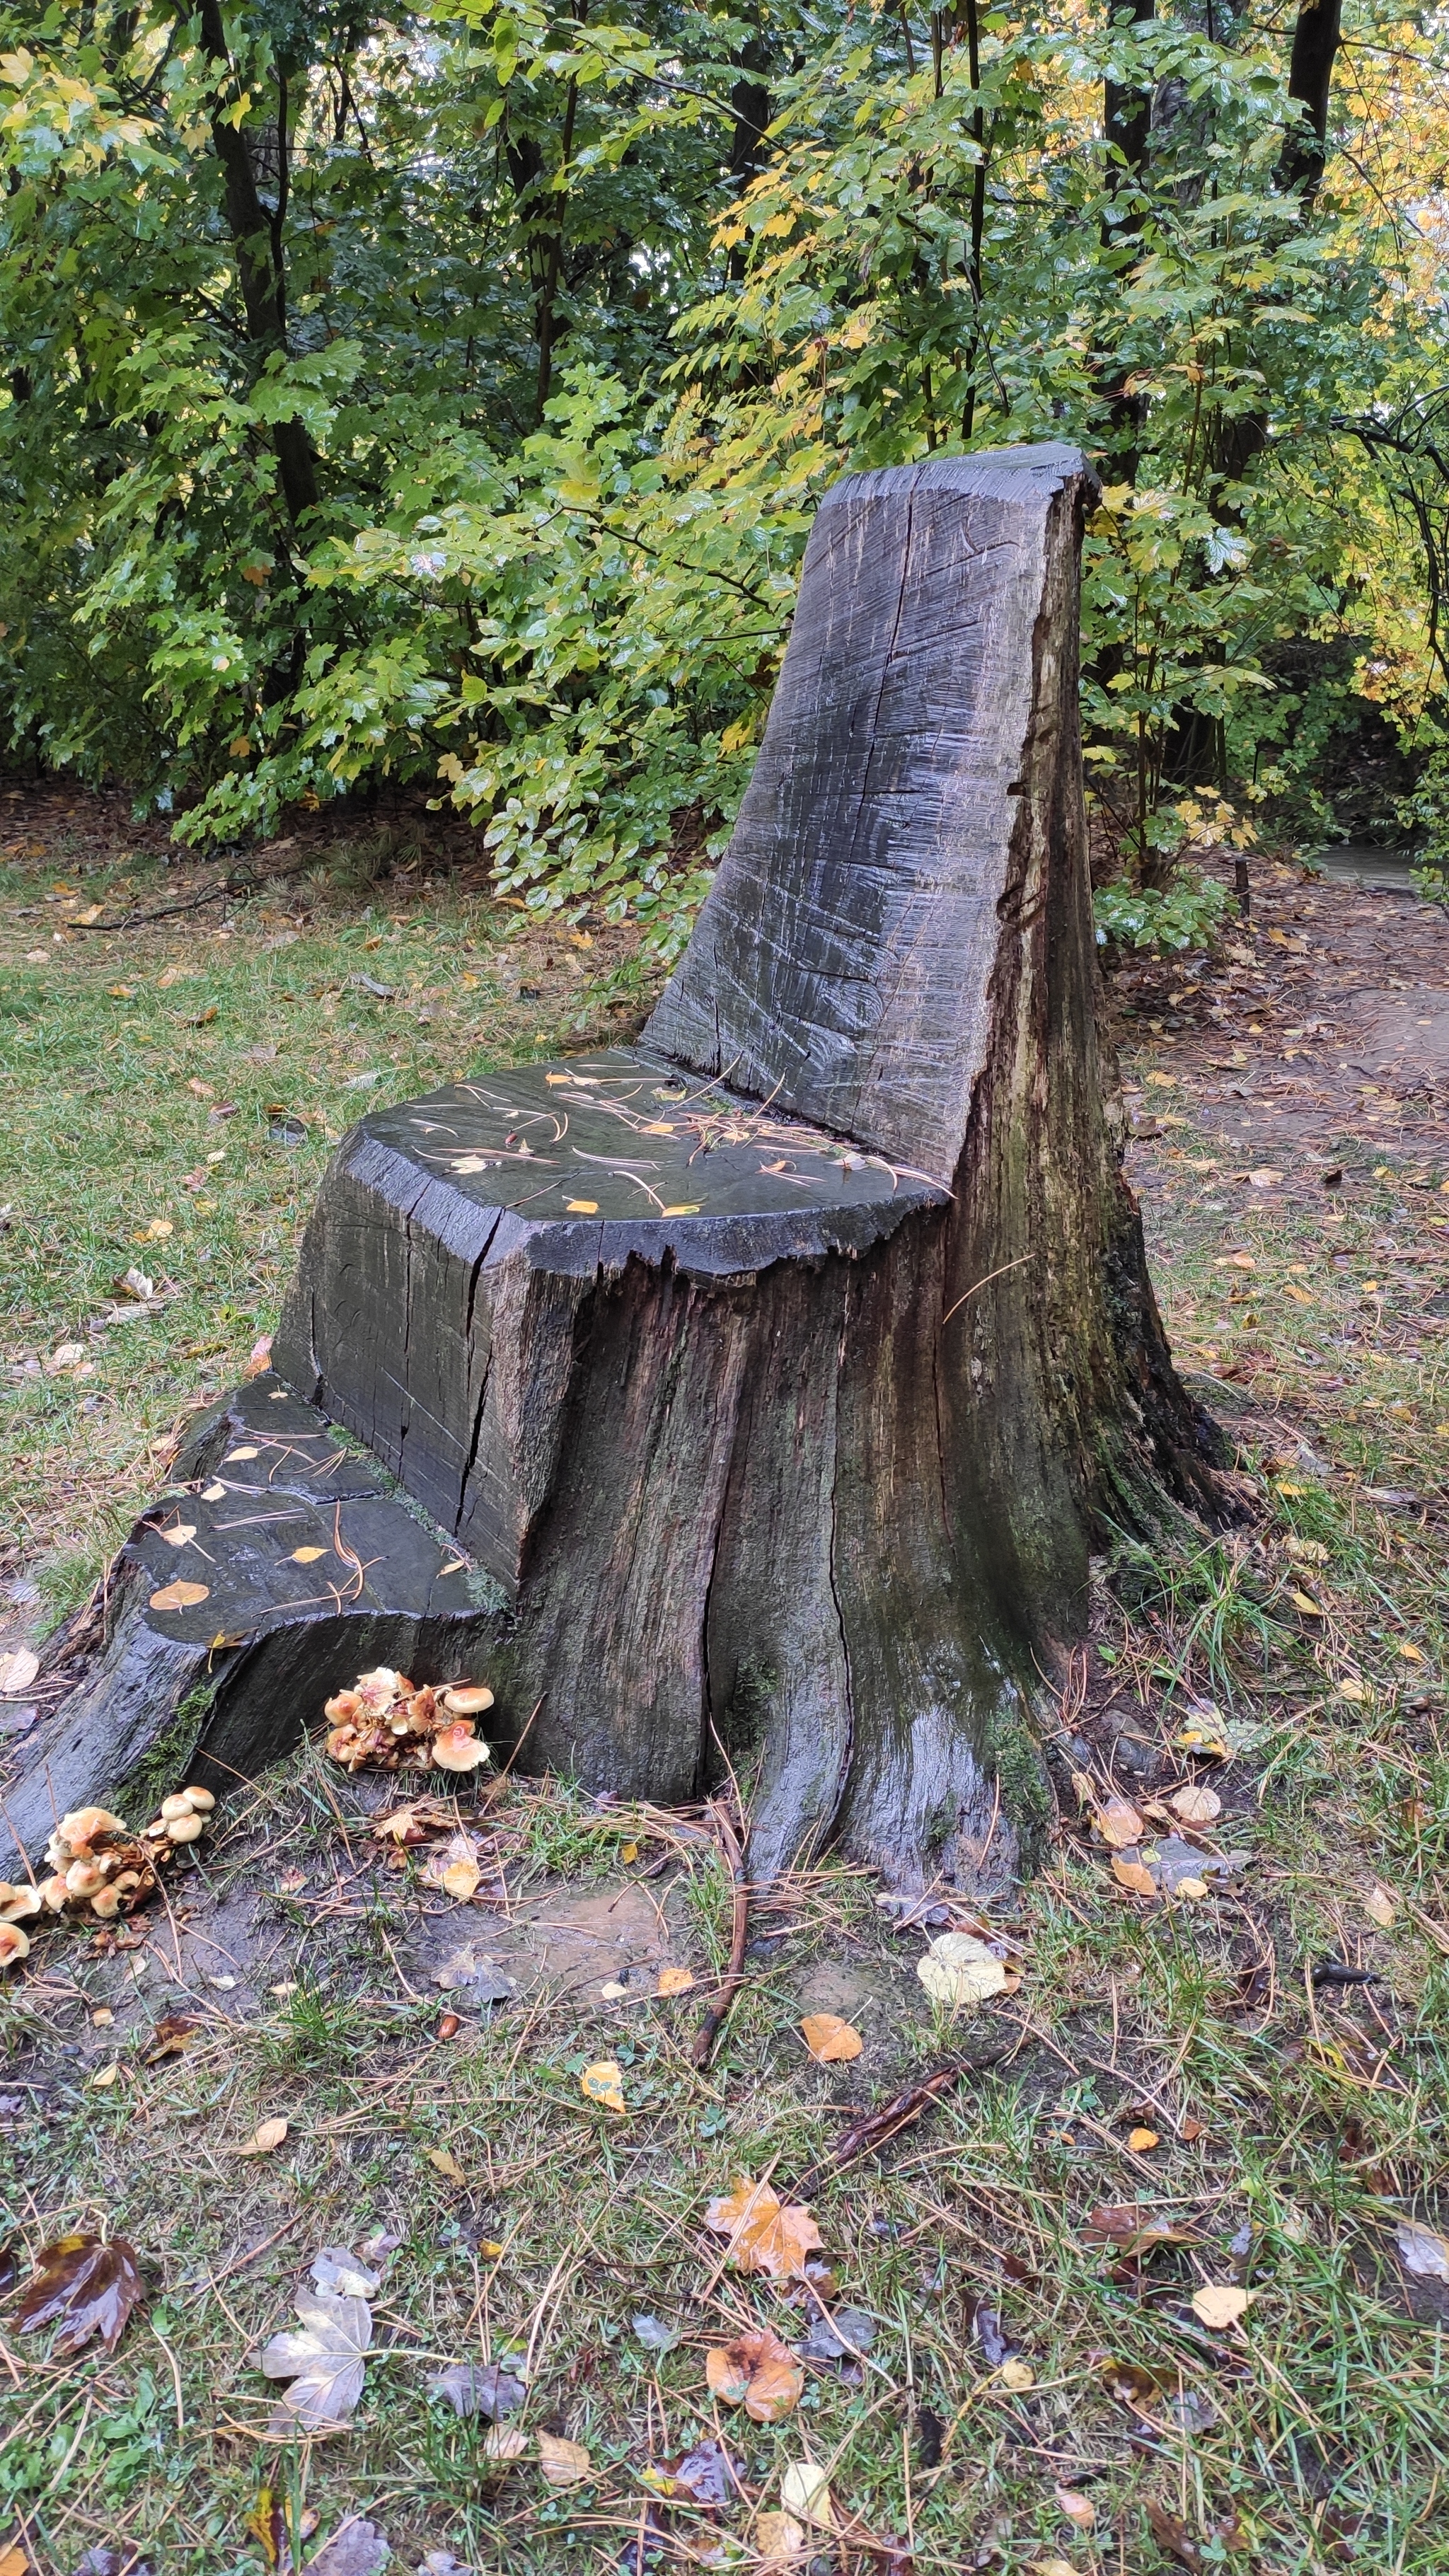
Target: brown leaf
x=446 y=2163
x=765 y=2235
x=179 y=1596
x=266 y=2139
x=1132 y=2230
x=1133 y=2386
x=564 y=2464
x=1195 y=1805
x=92 y=2285
x=1133 y=1875
x=1118 y=1823
x=604 y=2084
x=1078 y=2508
x=757 y=2372
x=172 y=2037
x=675 y=1981
x=830 y=2040
x=1173 y=2535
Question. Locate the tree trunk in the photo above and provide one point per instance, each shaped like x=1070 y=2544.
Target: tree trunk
x=258 y=239
x=781 y=1373
x=1127 y=132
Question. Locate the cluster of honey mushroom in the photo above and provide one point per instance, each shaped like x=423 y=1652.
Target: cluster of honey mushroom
x=99 y=1867
x=384 y=1722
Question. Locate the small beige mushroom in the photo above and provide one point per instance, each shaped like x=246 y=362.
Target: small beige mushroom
x=106 y=1902
x=185 y=1829
x=83 y=1878
x=178 y=1804
x=14 y=1945
x=53 y=1893
x=202 y=1800
x=457 y=1748
x=467 y=1699
x=17 y=1904
x=84 y=1825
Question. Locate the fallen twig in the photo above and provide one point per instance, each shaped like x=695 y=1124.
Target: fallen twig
x=718 y=2013
x=228 y=885
x=879 y=2127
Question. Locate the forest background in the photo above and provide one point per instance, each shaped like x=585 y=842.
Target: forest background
x=437 y=400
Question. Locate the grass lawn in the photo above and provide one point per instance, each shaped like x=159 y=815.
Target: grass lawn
x=1176 y=2096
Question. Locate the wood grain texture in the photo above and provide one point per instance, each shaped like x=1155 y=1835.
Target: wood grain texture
x=843 y=959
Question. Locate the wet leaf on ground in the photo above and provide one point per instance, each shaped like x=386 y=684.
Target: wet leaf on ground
x=805 y=2493
x=325 y=2364
x=765 y=2234
x=265 y=2140
x=1222 y=2303
x=357 y=2549
x=334 y=2268
x=479 y=2388
x=959 y=1969
x=756 y=2371
x=91 y=2285
x=653 y=2333
x=1422 y=2250
x=1134 y=2231
x=830 y=2040
x=841 y=2337
x=564 y=2464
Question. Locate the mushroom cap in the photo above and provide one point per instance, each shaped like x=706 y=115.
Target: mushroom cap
x=202 y=1800
x=17 y=1904
x=106 y=1902
x=85 y=1824
x=342 y=1704
x=178 y=1804
x=14 y=1945
x=467 y=1699
x=83 y=1878
x=457 y=1748
x=185 y=1829
x=377 y=1690
x=52 y=1893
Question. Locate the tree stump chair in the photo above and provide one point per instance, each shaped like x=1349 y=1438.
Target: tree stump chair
x=754 y=1394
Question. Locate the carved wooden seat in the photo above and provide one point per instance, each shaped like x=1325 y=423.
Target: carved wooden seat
x=772 y=1376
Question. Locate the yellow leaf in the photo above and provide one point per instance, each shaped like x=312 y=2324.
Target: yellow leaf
x=1222 y=2303
x=675 y=1981
x=266 y=2138
x=1166 y=1081
x=179 y=1596
x=582 y=1207
x=1301 y=1601
x=805 y=2492
x=959 y=1969
x=1141 y=2139
x=1195 y=1805
x=830 y=2040
x=1380 y=1907
x=564 y=2464
x=603 y=2084
x=779 y=2539
x=307 y=1555
x=104 y=2077
x=504 y=2442
x=1349 y=1688
x=460 y=1879
x=1411 y=1654
x=629 y=1853
x=446 y=2163
x=181 y=1536
x=765 y=2235
x=1017 y=2375
x=1118 y=1823
x=1133 y=1875
x=1077 y=2507
x=234 y=1456
x=689 y=1208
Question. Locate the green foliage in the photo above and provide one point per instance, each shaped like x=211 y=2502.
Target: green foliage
x=506 y=500
x=1187 y=914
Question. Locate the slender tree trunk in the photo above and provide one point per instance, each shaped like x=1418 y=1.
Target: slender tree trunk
x=1127 y=128
x=1316 y=41
x=258 y=240
x=750 y=100
x=978 y=210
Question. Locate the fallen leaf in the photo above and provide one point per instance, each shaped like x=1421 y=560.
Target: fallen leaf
x=13 y=2562
x=959 y=1969
x=830 y=2040
x=505 y=2442
x=90 y=2284
x=758 y=2372
x=1265 y=1178
x=461 y=1879
x=1305 y=1602
x=1196 y=1806
x=654 y=2333
x=1380 y=1907
x=1078 y=2508
x=765 y=2235
x=238 y=1457
x=805 y=2493
x=307 y=1555
x=1422 y=2251
x=172 y=2036
x=1017 y=2375
x=1118 y=1823
x=446 y=2163
x=1350 y=1688
x=604 y=2084
x=779 y=2539
x=675 y=1981
x=324 y=2364
x=1222 y=2303
x=1172 y=2534
x=103 y=2077
x=479 y=2388
x=179 y=1596
x=1050 y=2567
x=180 y=1536
x=18 y=1670
x=335 y=2268
x=990 y=2333
x=1134 y=1875
x=581 y=1207
x=564 y=2464
x=1133 y=2231
x=1411 y=1654
x=1133 y=2386
x=267 y=2138
x=1142 y=2139
x=841 y=2337
x=357 y=2549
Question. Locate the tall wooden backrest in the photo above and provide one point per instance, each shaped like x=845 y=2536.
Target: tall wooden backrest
x=841 y=965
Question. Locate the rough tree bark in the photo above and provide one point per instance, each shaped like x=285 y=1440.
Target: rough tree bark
x=780 y=1373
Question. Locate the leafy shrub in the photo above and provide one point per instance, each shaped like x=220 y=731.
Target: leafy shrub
x=1186 y=915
